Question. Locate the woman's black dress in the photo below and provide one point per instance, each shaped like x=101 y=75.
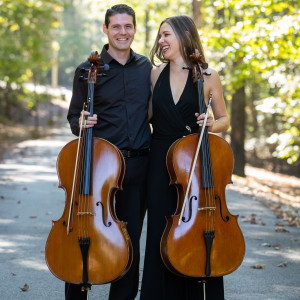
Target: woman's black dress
x=170 y=122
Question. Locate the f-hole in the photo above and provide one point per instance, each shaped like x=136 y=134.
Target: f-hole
x=103 y=216
x=217 y=197
x=190 y=210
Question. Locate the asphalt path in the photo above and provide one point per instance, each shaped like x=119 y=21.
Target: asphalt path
x=30 y=200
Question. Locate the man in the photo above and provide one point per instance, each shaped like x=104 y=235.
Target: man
x=121 y=107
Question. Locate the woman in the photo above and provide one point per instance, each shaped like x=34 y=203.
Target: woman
x=173 y=113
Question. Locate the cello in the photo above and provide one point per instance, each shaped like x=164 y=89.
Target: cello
x=88 y=244
x=202 y=239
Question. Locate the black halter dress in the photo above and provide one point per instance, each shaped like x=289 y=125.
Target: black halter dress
x=170 y=122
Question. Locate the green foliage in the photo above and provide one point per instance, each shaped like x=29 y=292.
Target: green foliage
x=256 y=43
x=80 y=33
x=25 y=38
x=25 y=48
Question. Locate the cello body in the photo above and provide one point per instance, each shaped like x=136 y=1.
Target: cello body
x=110 y=251
x=184 y=248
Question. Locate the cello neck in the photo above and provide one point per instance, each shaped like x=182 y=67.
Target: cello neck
x=86 y=168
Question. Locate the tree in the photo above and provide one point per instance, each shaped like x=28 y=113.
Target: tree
x=254 y=42
x=25 y=48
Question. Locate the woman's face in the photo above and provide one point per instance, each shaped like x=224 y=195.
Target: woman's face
x=168 y=42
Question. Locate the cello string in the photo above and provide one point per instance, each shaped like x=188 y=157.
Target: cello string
x=81 y=178
x=207 y=172
x=201 y=158
x=208 y=182
x=82 y=182
x=211 y=205
x=87 y=198
x=204 y=180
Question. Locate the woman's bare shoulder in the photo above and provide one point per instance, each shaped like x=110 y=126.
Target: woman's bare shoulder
x=211 y=76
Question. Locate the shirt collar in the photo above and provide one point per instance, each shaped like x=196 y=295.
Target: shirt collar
x=107 y=58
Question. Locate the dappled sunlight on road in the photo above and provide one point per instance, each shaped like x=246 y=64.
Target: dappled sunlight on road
x=16 y=243
x=48 y=143
x=20 y=173
x=34 y=160
x=287 y=254
x=7 y=246
x=38 y=265
x=6 y=221
x=292 y=255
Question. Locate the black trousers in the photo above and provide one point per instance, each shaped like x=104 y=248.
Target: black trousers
x=130 y=207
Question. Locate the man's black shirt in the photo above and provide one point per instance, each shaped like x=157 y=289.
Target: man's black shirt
x=120 y=101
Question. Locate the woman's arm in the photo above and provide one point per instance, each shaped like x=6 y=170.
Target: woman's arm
x=220 y=121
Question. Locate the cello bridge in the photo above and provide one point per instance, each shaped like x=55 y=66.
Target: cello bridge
x=207 y=208
x=82 y=213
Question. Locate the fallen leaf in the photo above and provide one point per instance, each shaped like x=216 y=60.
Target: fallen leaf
x=263 y=223
x=25 y=287
x=281 y=229
x=33 y=217
x=276 y=247
x=245 y=220
x=253 y=215
x=258 y=266
x=282 y=265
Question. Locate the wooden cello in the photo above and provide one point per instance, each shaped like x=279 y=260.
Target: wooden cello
x=202 y=239
x=88 y=244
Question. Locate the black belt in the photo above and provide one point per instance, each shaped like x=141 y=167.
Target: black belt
x=134 y=153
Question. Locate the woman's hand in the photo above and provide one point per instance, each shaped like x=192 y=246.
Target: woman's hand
x=90 y=122
x=209 y=121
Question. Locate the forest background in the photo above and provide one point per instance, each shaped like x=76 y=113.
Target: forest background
x=254 y=45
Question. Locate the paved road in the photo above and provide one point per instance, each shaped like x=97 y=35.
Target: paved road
x=30 y=199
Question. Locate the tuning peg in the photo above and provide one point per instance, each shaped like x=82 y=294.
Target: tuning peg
x=83 y=70
x=104 y=67
x=82 y=78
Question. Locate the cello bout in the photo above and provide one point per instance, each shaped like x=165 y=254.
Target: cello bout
x=196 y=248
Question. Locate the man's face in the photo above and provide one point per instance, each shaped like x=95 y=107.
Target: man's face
x=120 y=32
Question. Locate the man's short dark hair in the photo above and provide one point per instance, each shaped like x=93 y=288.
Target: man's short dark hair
x=119 y=9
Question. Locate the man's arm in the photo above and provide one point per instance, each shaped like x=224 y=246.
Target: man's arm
x=79 y=96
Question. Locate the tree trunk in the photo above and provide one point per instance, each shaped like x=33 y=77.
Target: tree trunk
x=238 y=121
x=197 y=16
x=254 y=116
x=147 y=31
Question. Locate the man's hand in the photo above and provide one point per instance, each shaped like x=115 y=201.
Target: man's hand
x=90 y=122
